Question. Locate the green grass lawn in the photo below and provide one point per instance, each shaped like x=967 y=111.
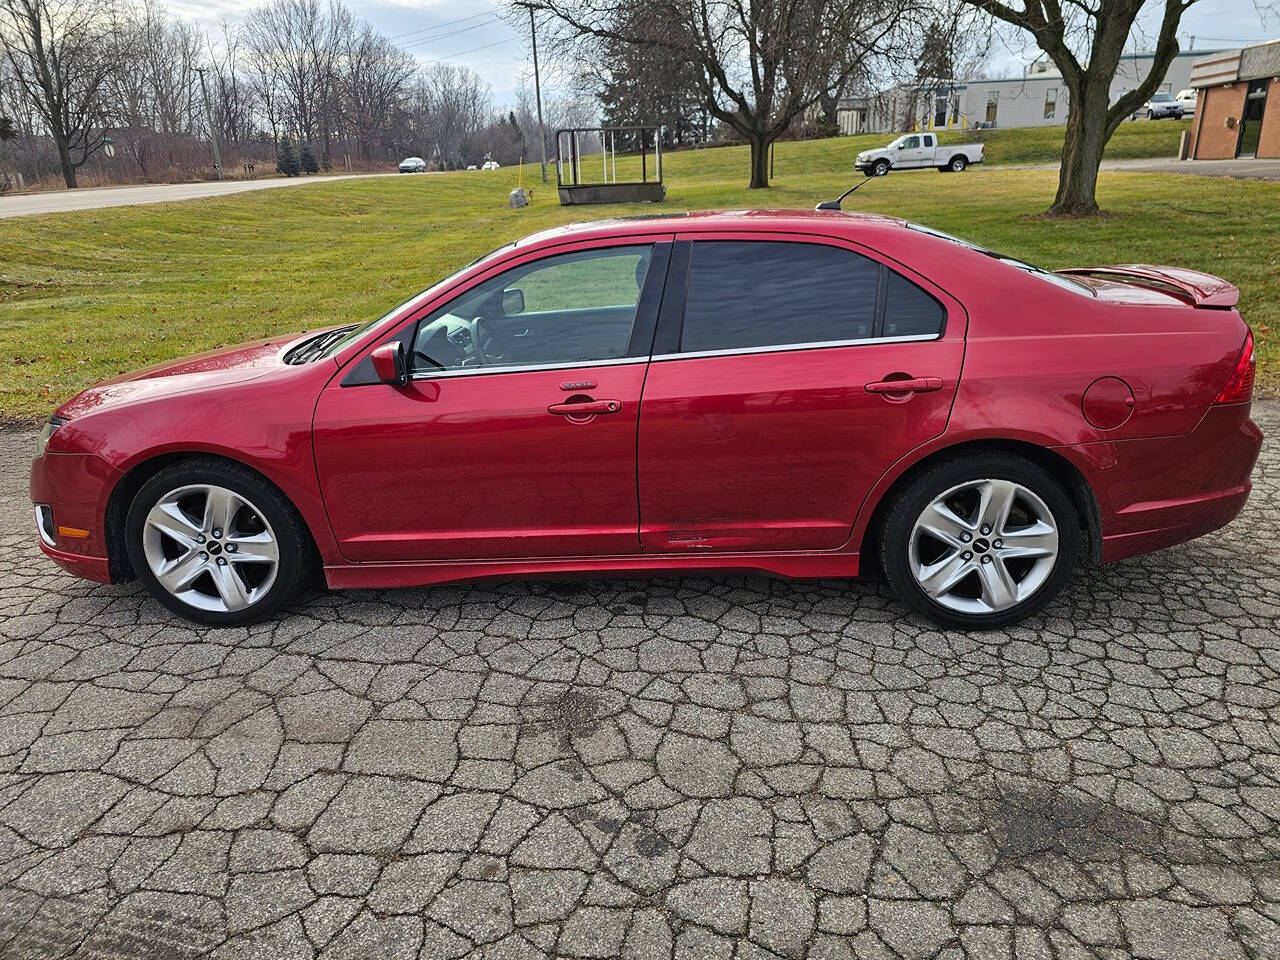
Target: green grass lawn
x=89 y=294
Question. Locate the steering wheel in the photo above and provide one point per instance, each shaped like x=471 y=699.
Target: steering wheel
x=488 y=344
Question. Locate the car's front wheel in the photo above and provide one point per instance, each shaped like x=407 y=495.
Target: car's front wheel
x=880 y=168
x=216 y=543
x=981 y=541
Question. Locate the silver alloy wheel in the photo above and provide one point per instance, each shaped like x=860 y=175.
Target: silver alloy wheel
x=210 y=548
x=983 y=546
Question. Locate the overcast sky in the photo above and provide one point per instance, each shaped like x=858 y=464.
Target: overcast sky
x=469 y=32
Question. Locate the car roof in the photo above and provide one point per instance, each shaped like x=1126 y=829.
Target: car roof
x=779 y=221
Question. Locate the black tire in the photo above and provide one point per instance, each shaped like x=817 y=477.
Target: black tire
x=958 y=164
x=881 y=167
x=1150 y=115
x=896 y=530
x=296 y=561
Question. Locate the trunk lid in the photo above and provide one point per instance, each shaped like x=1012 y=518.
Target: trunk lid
x=1191 y=287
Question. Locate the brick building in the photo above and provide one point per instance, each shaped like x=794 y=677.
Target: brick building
x=1232 y=117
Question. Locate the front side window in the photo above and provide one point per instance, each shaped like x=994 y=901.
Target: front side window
x=565 y=309
x=911 y=143
x=756 y=294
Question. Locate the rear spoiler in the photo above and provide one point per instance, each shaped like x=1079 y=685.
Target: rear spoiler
x=1196 y=288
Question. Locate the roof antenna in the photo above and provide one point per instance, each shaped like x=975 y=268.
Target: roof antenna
x=835 y=204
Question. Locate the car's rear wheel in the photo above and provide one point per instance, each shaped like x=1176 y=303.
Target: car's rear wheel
x=958 y=164
x=981 y=541
x=216 y=543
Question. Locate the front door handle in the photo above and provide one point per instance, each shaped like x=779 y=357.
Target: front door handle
x=586 y=408
x=914 y=385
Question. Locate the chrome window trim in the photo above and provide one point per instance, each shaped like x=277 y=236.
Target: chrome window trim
x=525 y=368
x=622 y=361
x=792 y=347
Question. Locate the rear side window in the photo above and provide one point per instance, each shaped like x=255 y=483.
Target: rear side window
x=758 y=294
x=746 y=294
x=909 y=311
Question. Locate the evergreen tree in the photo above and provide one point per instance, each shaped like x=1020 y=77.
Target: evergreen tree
x=308 y=160
x=651 y=85
x=286 y=159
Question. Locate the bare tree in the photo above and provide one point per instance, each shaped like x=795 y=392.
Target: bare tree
x=455 y=106
x=62 y=56
x=233 y=95
x=292 y=41
x=373 y=79
x=759 y=64
x=1099 y=29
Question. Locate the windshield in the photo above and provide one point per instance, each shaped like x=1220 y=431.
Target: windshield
x=1057 y=280
x=1161 y=97
x=356 y=332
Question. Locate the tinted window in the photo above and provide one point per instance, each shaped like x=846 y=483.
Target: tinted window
x=571 y=308
x=759 y=294
x=909 y=311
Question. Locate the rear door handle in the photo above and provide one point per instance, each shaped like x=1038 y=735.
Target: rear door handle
x=586 y=408
x=914 y=385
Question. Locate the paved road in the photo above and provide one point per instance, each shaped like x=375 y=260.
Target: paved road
x=1236 y=169
x=647 y=769
x=59 y=201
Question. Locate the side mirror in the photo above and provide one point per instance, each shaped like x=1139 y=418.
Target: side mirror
x=389 y=365
x=512 y=301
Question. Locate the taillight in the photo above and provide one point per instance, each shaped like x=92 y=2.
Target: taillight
x=1239 y=386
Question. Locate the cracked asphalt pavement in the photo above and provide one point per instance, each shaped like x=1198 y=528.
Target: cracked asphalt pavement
x=707 y=767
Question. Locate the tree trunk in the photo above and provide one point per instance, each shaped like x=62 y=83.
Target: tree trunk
x=1086 y=137
x=68 y=168
x=759 y=163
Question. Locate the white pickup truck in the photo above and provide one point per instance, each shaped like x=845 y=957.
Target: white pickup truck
x=917 y=150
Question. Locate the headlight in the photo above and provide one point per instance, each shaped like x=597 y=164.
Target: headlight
x=53 y=424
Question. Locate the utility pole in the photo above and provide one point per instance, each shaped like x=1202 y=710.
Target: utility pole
x=213 y=133
x=537 y=89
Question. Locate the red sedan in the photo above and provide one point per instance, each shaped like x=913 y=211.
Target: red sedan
x=797 y=393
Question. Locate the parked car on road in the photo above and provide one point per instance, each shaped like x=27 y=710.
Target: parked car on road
x=799 y=393
x=1186 y=100
x=413 y=165
x=490 y=165
x=915 y=151
x=1162 y=106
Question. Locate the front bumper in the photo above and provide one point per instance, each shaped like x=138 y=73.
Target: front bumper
x=1155 y=493
x=75 y=487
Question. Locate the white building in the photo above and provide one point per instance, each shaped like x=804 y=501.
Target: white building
x=1037 y=99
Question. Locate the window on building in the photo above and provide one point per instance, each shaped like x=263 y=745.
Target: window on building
x=993 y=105
x=1050 y=102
